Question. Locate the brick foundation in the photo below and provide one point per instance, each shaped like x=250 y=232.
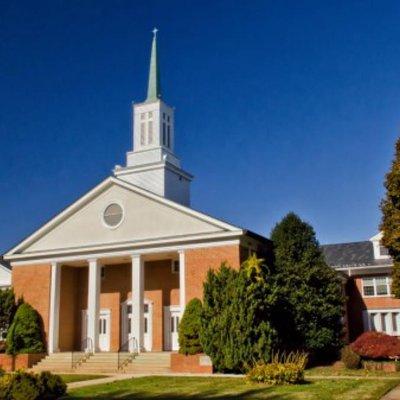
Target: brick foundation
x=21 y=361
x=196 y=364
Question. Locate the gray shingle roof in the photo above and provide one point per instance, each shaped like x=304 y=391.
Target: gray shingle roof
x=356 y=254
x=4 y=263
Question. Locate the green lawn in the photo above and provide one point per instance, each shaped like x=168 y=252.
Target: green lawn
x=330 y=371
x=184 y=388
x=68 y=378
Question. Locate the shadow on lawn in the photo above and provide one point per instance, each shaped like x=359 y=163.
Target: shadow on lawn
x=209 y=394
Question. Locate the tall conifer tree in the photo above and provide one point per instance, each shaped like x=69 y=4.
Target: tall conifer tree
x=390 y=225
x=312 y=299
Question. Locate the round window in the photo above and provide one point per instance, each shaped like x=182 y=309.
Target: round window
x=113 y=215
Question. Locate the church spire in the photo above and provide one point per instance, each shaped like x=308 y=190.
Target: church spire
x=154 y=88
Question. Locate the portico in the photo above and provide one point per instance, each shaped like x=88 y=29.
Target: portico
x=132 y=337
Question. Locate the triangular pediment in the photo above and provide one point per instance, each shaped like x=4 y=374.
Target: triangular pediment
x=146 y=217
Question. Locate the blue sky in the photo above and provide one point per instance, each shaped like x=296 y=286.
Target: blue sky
x=280 y=105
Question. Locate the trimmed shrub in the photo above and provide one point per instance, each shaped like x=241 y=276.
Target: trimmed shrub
x=377 y=346
x=350 y=358
x=51 y=386
x=289 y=370
x=25 y=333
x=28 y=386
x=8 y=307
x=6 y=387
x=189 y=329
x=25 y=387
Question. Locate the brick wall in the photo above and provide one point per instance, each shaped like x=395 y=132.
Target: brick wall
x=199 y=261
x=69 y=297
x=33 y=283
x=356 y=303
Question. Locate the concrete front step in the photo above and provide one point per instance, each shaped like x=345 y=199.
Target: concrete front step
x=59 y=362
x=144 y=363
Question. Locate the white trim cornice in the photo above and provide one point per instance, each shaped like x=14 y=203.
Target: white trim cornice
x=126 y=253
x=130 y=246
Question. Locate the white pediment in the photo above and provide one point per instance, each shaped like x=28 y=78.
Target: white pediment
x=145 y=217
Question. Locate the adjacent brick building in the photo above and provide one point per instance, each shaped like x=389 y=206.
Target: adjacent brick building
x=366 y=267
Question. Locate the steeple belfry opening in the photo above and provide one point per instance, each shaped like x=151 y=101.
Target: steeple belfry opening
x=152 y=164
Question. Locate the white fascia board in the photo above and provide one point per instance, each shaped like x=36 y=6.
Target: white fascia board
x=127 y=252
x=370 y=269
x=152 y=167
x=377 y=237
x=132 y=246
x=189 y=211
x=100 y=188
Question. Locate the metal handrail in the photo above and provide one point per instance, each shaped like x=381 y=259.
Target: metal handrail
x=133 y=350
x=87 y=346
x=89 y=349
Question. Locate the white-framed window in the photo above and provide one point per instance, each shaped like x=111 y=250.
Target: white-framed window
x=375 y=286
x=383 y=251
x=150 y=134
x=175 y=266
x=385 y=320
x=142 y=133
x=166 y=131
x=146 y=128
x=150 y=127
x=164 y=134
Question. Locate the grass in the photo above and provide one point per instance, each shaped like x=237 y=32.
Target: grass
x=68 y=378
x=185 y=388
x=330 y=371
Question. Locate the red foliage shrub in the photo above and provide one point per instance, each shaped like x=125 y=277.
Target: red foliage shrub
x=376 y=345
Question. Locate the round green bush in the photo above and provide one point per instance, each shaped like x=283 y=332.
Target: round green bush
x=25 y=332
x=52 y=386
x=189 y=329
x=350 y=358
x=25 y=387
x=29 y=386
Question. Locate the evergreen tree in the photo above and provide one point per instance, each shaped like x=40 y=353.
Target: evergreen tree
x=8 y=307
x=25 y=332
x=390 y=225
x=189 y=328
x=237 y=319
x=312 y=300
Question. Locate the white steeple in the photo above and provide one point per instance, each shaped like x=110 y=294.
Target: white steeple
x=152 y=164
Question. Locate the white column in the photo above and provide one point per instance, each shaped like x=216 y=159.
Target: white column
x=137 y=320
x=182 y=281
x=54 y=308
x=93 y=306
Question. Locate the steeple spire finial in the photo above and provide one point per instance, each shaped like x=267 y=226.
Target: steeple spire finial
x=154 y=88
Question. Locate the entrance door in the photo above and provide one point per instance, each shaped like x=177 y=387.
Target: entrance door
x=127 y=316
x=104 y=330
x=171 y=324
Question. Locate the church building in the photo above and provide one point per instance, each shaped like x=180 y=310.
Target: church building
x=116 y=268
